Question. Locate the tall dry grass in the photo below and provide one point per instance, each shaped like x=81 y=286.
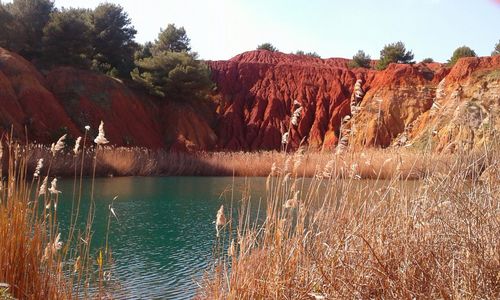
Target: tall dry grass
x=340 y=238
x=36 y=260
x=367 y=164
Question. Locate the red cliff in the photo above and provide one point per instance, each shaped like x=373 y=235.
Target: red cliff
x=428 y=106
x=27 y=103
x=67 y=100
x=257 y=90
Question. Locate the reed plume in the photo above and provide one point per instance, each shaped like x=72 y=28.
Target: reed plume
x=101 y=138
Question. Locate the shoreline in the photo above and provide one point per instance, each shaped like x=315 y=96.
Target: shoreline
x=368 y=164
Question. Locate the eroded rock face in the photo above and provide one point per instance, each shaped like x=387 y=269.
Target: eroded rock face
x=89 y=98
x=131 y=117
x=27 y=103
x=426 y=106
x=466 y=110
x=257 y=91
x=396 y=98
x=67 y=100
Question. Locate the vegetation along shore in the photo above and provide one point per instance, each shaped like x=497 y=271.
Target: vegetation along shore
x=380 y=178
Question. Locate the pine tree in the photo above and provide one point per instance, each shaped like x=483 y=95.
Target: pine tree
x=394 y=53
x=267 y=46
x=67 y=38
x=30 y=17
x=496 y=51
x=113 y=40
x=460 y=52
x=172 y=39
x=360 y=60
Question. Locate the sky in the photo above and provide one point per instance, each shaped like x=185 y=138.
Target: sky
x=221 y=29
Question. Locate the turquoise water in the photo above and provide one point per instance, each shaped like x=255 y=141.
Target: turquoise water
x=163 y=239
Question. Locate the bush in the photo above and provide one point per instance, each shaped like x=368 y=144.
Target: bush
x=172 y=39
x=360 y=60
x=67 y=38
x=460 y=52
x=168 y=70
x=113 y=40
x=394 y=53
x=27 y=21
x=176 y=75
x=311 y=54
x=428 y=60
x=496 y=51
x=143 y=51
x=8 y=28
x=267 y=46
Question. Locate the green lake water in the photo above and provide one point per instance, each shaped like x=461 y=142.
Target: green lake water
x=163 y=240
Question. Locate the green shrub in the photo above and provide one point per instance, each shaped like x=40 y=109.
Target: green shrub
x=267 y=46
x=172 y=39
x=394 y=53
x=167 y=69
x=496 y=51
x=25 y=22
x=176 y=75
x=360 y=60
x=460 y=52
x=67 y=38
x=113 y=40
x=428 y=60
x=312 y=54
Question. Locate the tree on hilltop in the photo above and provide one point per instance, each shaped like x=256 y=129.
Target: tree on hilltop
x=67 y=38
x=267 y=46
x=177 y=75
x=394 y=53
x=113 y=39
x=311 y=54
x=360 y=60
x=496 y=51
x=460 y=52
x=30 y=17
x=8 y=28
x=172 y=39
x=143 y=51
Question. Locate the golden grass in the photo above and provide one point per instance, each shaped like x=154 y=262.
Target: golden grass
x=437 y=238
x=368 y=164
x=31 y=271
x=36 y=262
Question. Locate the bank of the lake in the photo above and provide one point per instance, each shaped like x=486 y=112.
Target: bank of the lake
x=368 y=164
x=164 y=237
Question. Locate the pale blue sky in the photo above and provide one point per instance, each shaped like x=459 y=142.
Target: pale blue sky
x=220 y=29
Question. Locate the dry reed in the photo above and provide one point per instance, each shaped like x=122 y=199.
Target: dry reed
x=436 y=238
x=368 y=164
x=36 y=261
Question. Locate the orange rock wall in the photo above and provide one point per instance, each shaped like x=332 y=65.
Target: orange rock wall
x=254 y=102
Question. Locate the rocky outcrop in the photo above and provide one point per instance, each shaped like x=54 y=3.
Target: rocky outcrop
x=27 y=104
x=259 y=87
x=426 y=106
x=466 y=109
x=257 y=90
x=397 y=96
x=67 y=99
x=89 y=98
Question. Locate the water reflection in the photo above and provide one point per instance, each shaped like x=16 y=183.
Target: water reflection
x=163 y=240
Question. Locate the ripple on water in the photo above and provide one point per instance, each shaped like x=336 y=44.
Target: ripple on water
x=163 y=239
